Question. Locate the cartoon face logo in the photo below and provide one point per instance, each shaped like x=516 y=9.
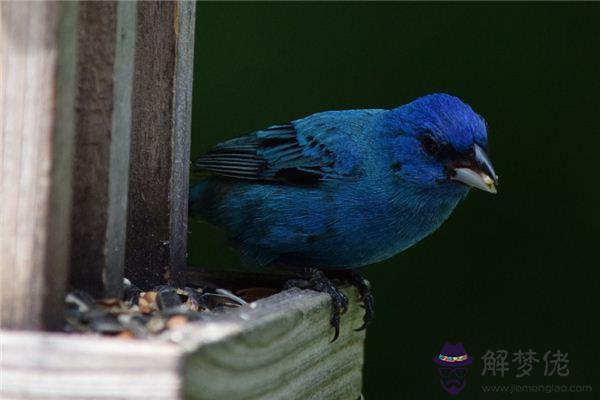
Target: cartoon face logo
x=452 y=367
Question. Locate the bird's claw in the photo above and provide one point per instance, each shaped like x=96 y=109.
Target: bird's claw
x=368 y=306
x=339 y=303
x=364 y=295
x=316 y=280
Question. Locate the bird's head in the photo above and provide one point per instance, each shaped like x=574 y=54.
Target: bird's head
x=438 y=141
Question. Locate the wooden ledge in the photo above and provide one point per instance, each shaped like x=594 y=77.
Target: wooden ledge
x=275 y=348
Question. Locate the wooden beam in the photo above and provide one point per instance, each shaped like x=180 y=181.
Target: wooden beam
x=274 y=348
x=103 y=130
x=37 y=70
x=159 y=164
x=62 y=366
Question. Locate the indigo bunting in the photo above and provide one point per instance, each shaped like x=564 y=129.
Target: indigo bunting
x=338 y=190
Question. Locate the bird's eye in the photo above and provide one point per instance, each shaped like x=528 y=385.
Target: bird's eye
x=430 y=145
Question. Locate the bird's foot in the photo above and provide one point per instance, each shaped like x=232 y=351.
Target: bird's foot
x=315 y=279
x=364 y=294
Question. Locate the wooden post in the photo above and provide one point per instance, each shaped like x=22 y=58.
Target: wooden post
x=103 y=121
x=132 y=80
x=158 y=184
x=37 y=71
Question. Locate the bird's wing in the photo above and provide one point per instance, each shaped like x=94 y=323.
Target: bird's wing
x=304 y=152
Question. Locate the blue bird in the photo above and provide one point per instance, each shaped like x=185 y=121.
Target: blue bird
x=339 y=190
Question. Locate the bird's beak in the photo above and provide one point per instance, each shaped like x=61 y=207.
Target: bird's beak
x=477 y=173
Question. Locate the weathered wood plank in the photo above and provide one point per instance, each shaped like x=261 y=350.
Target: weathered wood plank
x=103 y=129
x=120 y=147
x=37 y=70
x=158 y=186
x=185 y=28
x=274 y=348
x=60 y=366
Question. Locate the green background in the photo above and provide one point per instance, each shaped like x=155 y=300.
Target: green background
x=515 y=270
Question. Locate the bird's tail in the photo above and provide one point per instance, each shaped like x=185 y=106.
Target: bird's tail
x=195 y=199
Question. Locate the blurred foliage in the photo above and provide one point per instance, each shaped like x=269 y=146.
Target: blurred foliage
x=516 y=270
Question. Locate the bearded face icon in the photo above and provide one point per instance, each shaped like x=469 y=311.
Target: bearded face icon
x=452 y=367
x=453 y=379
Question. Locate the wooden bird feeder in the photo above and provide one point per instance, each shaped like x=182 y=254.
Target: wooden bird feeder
x=95 y=101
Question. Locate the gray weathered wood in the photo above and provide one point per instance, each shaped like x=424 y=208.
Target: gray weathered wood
x=61 y=366
x=274 y=348
x=37 y=71
x=277 y=348
x=158 y=185
x=103 y=130
x=120 y=148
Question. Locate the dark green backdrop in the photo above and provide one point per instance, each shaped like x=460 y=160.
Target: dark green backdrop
x=516 y=270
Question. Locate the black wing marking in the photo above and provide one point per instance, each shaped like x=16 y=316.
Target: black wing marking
x=278 y=153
